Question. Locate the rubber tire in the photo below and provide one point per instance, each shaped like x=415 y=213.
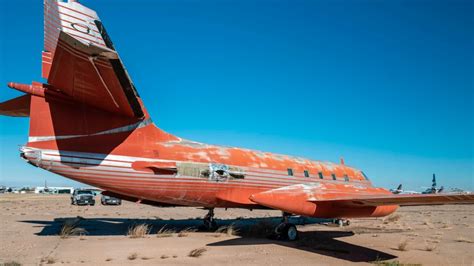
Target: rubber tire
x=286 y=232
x=291 y=233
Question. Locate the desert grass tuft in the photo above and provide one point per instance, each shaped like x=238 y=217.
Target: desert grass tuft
x=430 y=247
x=164 y=232
x=10 y=263
x=132 y=256
x=70 y=229
x=228 y=230
x=447 y=226
x=48 y=260
x=429 y=224
x=393 y=263
x=403 y=245
x=392 y=218
x=195 y=253
x=185 y=232
x=138 y=230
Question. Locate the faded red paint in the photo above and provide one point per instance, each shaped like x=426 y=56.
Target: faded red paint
x=88 y=124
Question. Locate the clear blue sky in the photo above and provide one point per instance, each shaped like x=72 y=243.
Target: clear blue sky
x=388 y=85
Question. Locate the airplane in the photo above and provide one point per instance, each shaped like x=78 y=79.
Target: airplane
x=400 y=190
x=397 y=190
x=88 y=123
x=433 y=189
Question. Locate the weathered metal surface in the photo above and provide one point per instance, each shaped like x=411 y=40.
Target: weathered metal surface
x=89 y=124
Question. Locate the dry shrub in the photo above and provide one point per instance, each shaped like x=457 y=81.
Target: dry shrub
x=430 y=247
x=164 y=232
x=228 y=230
x=392 y=218
x=132 y=256
x=403 y=245
x=146 y=258
x=447 y=226
x=10 y=263
x=394 y=263
x=462 y=239
x=48 y=260
x=195 y=253
x=427 y=223
x=138 y=231
x=108 y=259
x=185 y=232
x=164 y=257
x=70 y=229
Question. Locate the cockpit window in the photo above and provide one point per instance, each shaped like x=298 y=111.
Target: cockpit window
x=366 y=178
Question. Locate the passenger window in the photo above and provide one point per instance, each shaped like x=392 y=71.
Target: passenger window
x=333 y=176
x=320 y=175
x=346 y=178
x=306 y=173
x=290 y=172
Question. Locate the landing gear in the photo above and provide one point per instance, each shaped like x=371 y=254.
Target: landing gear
x=342 y=222
x=209 y=222
x=286 y=230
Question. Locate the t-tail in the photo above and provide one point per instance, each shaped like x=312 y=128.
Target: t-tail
x=88 y=94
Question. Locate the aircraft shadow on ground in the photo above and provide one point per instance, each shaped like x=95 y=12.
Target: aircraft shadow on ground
x=250 y=230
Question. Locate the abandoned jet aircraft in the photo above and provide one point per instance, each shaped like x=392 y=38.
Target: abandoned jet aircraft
x=89 y=124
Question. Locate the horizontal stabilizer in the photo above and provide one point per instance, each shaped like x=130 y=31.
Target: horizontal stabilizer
x=19 y=107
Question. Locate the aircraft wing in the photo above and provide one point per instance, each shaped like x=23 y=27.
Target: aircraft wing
x=402 y=199
x=310 y=198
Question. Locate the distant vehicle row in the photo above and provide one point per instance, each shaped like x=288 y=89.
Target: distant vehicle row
x=86 y=197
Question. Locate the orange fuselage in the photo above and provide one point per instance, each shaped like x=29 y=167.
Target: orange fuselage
x=143 y=162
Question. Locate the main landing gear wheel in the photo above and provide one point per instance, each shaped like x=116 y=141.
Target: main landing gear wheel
x=286 y=230
x=208 y=222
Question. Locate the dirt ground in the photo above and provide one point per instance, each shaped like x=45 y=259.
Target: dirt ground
x=31 y=224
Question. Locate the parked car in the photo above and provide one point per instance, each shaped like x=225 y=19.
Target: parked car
x=108 y=200
x=83 y=197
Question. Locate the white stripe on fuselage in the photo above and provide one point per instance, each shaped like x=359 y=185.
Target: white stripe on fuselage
x=109 y=131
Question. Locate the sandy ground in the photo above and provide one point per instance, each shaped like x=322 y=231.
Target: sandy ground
x=30 y=225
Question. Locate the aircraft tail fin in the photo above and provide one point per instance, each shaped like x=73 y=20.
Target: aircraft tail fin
x=88 y=94
x=72 y=18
